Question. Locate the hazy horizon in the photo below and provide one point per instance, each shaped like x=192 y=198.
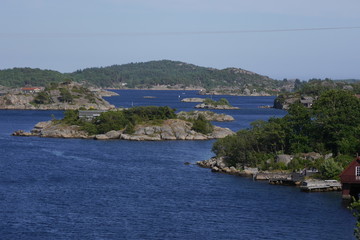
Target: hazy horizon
x=278 y=38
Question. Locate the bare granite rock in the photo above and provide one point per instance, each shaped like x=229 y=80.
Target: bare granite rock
x=210 y=116
x=193 y=100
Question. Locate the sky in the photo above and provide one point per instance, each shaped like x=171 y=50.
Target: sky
x=277 y=38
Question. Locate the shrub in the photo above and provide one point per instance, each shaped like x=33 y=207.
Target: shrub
x=202 y=125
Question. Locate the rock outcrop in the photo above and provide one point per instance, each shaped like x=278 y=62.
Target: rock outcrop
x=65 y=96
x=210 y=116
x=52 y=129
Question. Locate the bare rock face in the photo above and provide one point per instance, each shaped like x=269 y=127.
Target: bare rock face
x=173 y=129
x=210 y=116
x=52 y=129
x=193 y=100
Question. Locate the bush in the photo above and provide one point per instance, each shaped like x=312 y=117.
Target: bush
x=330 y=169
x=202 y=125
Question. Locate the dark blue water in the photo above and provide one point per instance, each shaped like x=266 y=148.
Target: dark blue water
x=86 y=189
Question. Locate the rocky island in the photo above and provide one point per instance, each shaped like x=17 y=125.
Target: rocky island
x=193 y=100
x=151 y=124
x=211 y=104
x=56 y=96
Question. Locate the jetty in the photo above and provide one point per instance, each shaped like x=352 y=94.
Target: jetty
x=320 y=185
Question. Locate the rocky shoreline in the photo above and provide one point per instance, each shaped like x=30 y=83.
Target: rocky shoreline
x=276 y=178
x=171 y=129
x=210 y=116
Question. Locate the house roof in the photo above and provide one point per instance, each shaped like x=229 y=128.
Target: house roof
x=354 y=163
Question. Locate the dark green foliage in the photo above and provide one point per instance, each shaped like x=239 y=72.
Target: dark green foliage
x=65 y=95
x=315 y=87
x=332 y=126
x=202 y=125
x=222 y=101
x=142 y=75
x=43 y=98
x=19 y=77
x=330 y=169
x=71 y=117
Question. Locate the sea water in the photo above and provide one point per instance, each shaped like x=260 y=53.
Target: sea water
x=87 y=189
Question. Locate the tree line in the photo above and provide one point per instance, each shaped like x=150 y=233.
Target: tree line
x=146 y=74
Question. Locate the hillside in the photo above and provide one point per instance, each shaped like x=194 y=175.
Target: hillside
x=144 y=75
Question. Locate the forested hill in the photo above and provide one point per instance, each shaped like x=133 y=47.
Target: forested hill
x=19 y=77
x=145 y=74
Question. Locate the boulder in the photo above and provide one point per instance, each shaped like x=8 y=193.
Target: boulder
x=101 y=137
x=113 y=134
x=283 y=158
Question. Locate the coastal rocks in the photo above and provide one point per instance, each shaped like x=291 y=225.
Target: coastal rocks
x=54 y=130
x=173 y=129
x=210 y=116
x=193 y=100
x=220 y=165
x=209 y=106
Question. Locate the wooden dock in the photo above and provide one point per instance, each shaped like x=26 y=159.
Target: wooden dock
x=320 y=185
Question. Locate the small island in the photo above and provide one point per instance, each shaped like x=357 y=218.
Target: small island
x=211 y=104
x=193 y=100
x=138 y=124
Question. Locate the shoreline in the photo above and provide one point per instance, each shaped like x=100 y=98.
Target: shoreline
x=284 y=178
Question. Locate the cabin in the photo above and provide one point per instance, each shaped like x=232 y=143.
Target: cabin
x=89 y=115
x=350 y=180
x=32 y=89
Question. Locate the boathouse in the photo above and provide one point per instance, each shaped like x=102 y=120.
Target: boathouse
x=350 y=180
x=89 y=115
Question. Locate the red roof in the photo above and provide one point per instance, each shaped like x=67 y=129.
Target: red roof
x=30 y=88
x=348 y=175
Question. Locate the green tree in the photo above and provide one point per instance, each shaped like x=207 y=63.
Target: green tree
x=330 y=169
x=202 y=125
x=336 y=118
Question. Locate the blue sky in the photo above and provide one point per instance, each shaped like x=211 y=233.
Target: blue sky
x=66 y=35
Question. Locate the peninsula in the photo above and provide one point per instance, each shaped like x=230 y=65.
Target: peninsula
x=56 y=96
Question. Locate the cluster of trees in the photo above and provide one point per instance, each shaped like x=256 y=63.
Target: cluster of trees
x=127 y=119
x=315 y=87
x=220 y=102
x=19 y=77
x=64 y=92
x=332 y=125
